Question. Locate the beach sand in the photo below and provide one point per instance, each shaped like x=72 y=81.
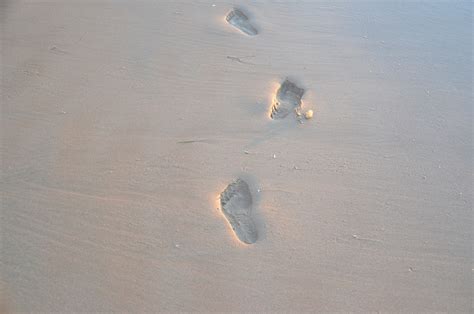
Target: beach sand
x=123 y=122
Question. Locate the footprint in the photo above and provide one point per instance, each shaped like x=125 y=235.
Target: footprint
x=240 y=21
x=237 y=204
x=287 y=100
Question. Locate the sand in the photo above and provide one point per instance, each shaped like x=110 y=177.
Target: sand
x=122 y=122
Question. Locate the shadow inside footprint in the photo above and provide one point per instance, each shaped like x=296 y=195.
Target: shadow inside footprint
x=240 y=21
x=237 y=205
x=287 y=99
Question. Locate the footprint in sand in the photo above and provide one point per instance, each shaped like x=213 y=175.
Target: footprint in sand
x=287 y=100
x=240 y=21
x=237 y=205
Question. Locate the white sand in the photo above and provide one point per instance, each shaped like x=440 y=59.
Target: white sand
x=104 y=210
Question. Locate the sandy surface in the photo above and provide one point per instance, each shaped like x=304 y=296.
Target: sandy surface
x=123 y=122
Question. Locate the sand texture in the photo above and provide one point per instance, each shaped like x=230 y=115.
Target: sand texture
x=123 y=122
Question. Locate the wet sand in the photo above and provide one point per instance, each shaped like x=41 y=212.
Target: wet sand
x=122 y=123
